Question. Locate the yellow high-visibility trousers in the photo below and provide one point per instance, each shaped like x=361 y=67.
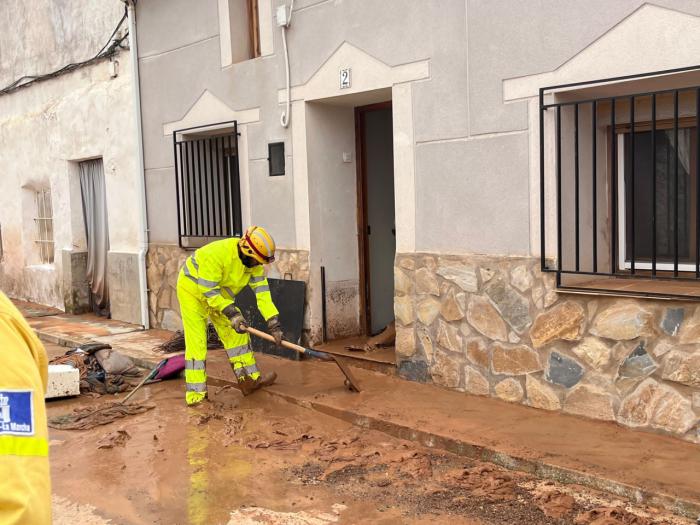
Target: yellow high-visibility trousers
x=195 y=311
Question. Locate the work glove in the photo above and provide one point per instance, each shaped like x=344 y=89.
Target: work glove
x=275 y=329
x=238 y=322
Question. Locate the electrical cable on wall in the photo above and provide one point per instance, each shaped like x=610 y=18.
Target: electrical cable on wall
x=284 y=119
x=107 y=51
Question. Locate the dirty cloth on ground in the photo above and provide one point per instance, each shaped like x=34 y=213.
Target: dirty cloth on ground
x=90 y=417
x=93 y=377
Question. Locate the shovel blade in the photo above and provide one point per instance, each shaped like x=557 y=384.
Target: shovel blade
x=350 y=380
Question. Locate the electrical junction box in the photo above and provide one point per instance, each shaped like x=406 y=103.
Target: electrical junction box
x=282 y=17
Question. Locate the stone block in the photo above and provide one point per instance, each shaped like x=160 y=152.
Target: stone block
x=682 y=367
x=414 y=371
x=539 y=395
x=593 y=352
x=514 y=360
x=550 y=298
x=403 y=284
x=482 y=315
x=406 y=262
x=449 y=337
x=171 y=321
x=564 y=321
x=509 y=390
x=426 y=282
x=513 y=307
x=622 y=322
x=478 y=353
x=690 y=331
x=537 y=295
x=590 y=401
x=521 y=278
x=671 y=322
x=454 y=306
x=461 y=273
x=427 y=310
x=638 y=363
x=446 y=370
x=428 y=261
x=64 y=380
x=403 y=309
x=426 y=342
x=563 y=370
x=76 y=290
x=486 y=274
x=405 y=341
x=658 y=406
x=513 y=337
x=474 y=382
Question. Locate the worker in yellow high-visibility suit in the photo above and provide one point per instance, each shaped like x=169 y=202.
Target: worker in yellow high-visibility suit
x=25 y=484
x=206 y=287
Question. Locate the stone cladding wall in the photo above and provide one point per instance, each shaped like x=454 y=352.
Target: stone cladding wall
x=496 y=326
x=163 y=266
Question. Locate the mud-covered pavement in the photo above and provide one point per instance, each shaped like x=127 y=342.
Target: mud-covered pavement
x=262 y=460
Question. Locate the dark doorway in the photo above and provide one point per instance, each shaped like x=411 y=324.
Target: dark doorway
x=376 y=215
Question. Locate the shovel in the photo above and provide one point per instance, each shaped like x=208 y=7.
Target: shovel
x=350 y=381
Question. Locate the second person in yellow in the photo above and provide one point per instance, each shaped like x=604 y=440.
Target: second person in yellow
x=206 y=288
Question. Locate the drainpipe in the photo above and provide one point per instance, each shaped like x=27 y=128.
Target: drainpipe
x=143 y=215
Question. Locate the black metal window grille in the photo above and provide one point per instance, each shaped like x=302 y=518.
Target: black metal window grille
x=207 y=185
x=626 y=183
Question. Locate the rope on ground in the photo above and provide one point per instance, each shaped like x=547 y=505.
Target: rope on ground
x=177 y=342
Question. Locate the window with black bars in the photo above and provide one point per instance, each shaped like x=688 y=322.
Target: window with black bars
x=622 y=171
x=207 y=184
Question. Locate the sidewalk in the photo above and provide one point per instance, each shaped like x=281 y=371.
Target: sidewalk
x=657 y=470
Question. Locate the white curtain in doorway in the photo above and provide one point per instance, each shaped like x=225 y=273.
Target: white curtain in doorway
x=92 y=189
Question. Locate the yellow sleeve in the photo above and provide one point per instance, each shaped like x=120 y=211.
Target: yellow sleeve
x=258 y=283
x=25 y=486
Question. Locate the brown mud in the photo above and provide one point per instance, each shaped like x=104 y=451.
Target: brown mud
x=262 y=460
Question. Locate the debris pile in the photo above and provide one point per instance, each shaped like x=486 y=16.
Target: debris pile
x=102 y=369
x=85 y=418
x=177 y=342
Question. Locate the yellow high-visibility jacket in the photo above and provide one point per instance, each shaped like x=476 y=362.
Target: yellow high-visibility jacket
x=25 y=484
x=220 y=275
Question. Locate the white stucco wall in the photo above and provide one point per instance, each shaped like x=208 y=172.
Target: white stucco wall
x=45 y=130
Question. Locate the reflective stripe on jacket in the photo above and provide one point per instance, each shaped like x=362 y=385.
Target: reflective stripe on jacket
x=220 y=275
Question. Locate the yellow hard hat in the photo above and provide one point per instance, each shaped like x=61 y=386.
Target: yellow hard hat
x=258 y=244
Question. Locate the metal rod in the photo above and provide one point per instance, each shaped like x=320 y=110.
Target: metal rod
x=558 y=144
x=653 y=184
x=625 y=77
x=613 y=261
x=237 y=188
x=594 y=162
x=638 y=94
x=323 y=304
x=214 y=192
x=220 y=190
x=227 y=198
x=576 y=189
x=632 y=199
x=192 y=182
x=229 y=191
x=178 y=173
x=603 y=291
x=542 y=211
x=663 y=275
x=205 y=197
x=675 y=183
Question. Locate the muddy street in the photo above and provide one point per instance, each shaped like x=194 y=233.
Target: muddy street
x=262 y=460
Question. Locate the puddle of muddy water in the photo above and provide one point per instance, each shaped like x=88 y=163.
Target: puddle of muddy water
x=262 y=460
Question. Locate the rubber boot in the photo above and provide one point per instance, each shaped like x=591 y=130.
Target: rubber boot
x=248 y=386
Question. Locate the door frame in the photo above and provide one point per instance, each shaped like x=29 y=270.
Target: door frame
x=362 y=226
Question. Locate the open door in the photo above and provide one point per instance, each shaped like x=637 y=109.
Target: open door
x=376 y=215
x=92 y=190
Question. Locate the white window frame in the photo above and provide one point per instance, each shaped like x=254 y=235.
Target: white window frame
x=623 y=262
x=43 y=219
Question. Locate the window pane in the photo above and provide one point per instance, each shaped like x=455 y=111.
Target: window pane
x=666 y=204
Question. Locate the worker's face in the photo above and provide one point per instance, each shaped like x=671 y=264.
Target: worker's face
x=249 y=262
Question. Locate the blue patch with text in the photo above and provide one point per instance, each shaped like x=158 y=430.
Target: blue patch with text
x=16 y=413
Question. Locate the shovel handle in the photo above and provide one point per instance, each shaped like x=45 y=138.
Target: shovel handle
x=301 y=349
x=268 y=337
